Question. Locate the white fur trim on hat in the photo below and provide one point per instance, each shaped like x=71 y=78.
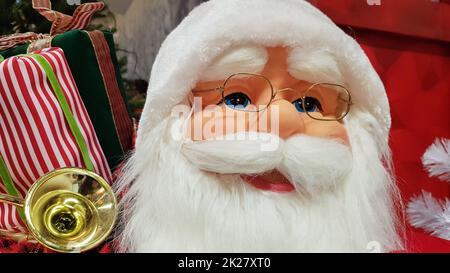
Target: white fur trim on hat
x=216 y=25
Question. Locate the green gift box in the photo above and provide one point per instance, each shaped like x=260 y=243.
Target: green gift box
x=93 y=62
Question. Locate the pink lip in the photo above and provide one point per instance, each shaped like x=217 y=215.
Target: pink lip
x=260 y=183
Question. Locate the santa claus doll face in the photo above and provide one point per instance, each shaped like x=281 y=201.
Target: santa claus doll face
x=269 y=86
x=278 y=141
x=213 y=191
x=289 y=90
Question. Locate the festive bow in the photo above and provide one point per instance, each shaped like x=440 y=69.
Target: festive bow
x=21 y=38
x=60 y=22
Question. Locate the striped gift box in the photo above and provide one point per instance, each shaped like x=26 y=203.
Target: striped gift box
x=35 y=137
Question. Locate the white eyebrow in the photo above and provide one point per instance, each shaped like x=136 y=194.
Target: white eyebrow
x=314 y=65
x=246 y=58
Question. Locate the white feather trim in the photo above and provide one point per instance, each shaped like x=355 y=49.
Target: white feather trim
x=436 y=159
x=429 y=214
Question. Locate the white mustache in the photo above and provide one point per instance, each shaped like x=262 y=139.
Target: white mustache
x=309 y=163
x=240 y=155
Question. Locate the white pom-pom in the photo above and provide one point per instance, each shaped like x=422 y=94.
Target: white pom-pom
x=429 y=214
x=436 y=159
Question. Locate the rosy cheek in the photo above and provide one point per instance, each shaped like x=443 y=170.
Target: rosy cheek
x=342 y=135
x=206 y=125
x=331 y=130
x=195 y=127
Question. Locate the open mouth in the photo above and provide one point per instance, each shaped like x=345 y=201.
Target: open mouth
x=273 y=181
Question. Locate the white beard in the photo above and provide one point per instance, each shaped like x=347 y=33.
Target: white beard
x=343 y=202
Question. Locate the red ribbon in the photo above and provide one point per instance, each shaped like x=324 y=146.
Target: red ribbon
x=63 y=22
x=21 y=38
x=60 y=22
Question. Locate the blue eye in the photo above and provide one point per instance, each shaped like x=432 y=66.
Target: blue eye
x=237 y=100
x=311 y=104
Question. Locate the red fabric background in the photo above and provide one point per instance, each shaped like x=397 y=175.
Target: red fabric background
x=408 y=43
x=418 y=18
x=416 y=76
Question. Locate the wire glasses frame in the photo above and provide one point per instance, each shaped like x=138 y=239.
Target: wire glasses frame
x=343 y=114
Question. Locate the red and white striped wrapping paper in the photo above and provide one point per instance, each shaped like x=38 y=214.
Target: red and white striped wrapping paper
x=35 y=137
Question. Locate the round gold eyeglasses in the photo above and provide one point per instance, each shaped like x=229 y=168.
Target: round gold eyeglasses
x=320 y=101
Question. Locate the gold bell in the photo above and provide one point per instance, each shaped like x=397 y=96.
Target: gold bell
x=68 y=210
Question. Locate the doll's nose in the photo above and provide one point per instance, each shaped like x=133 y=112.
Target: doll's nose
x=285 y=119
